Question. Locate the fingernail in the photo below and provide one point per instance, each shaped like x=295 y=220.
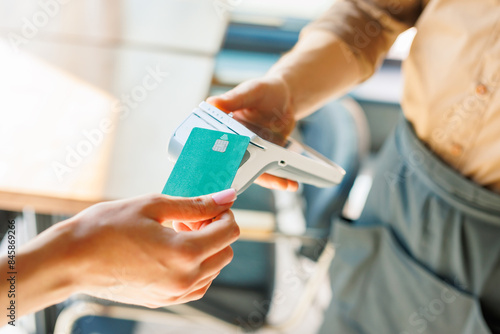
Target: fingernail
x=224 y=197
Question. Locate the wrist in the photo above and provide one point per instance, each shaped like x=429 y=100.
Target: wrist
x=71 y=254
x=284 y=78
x=47 y=272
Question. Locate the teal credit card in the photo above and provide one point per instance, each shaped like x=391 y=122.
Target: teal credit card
x=208 y=163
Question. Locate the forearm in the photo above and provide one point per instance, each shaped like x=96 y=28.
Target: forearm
x=43 y=275
x=319 y=68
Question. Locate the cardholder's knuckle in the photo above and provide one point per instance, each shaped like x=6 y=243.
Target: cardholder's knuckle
x=229 y=255
x=155 y=198
x=185 y=283
x=184 y=250
x=236 y=231
x=231 y=224
x=200 y=205
x=191 y=252
x=151 y=201
x=199 y=294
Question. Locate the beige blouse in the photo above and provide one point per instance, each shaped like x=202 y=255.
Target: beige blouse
x=452 y=73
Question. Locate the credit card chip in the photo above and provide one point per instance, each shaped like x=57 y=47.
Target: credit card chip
x=220 y=145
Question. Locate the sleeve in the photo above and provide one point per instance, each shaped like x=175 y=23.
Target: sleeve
x=368 y=27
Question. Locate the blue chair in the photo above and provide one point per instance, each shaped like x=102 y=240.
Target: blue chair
x=340 y=132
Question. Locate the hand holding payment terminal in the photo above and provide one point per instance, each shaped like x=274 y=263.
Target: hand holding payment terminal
x=295 y=161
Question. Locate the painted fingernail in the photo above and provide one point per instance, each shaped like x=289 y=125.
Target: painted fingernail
x=224 y=197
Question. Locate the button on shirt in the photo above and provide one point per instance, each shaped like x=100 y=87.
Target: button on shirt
x=452 y=74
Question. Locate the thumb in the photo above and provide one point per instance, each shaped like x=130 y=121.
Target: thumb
x=243 y=96
x=189 y=209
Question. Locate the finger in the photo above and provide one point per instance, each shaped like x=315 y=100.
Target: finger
x=241 y=97
x=258 y=122
x=216 y=262
x=181 y=227
x=203 y=282
x=214 y=237
x=190 y=226
x=275 y=182
x=162 y=207
x=195 y=295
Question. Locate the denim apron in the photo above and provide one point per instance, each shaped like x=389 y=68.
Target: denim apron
x=424 y=257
